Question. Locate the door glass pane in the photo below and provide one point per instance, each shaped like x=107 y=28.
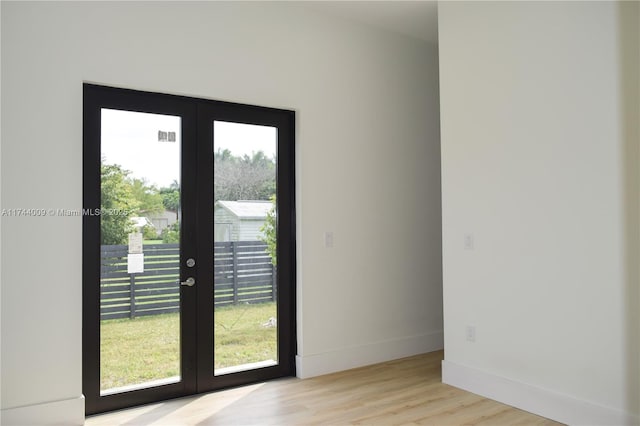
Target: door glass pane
x=139 y=231
x=245 y=291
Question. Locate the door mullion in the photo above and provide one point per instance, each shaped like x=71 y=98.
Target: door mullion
x=204 y=223
x=188 y=243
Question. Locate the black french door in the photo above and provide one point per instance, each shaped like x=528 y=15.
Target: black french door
x=188 y=246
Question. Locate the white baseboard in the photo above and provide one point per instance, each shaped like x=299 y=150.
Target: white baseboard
x=359 y=356
x=66 y=412
x=543 y=402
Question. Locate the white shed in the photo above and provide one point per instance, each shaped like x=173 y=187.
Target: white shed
x=239 y=220
x=163 y=219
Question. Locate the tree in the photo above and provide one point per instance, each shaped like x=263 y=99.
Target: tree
x=116 y=198
x=269 y=231
x=243 y=178
x=150 y=201
x=124 y=197
x=171 y=234
x=171 y=197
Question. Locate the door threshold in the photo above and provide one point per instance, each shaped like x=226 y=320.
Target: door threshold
x=244 y=367
x=140 y=386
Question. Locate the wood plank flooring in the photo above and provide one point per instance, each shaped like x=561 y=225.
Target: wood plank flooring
x=406 y=391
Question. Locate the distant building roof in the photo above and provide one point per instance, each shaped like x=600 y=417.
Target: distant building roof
x=139 y=221
x=247 y=209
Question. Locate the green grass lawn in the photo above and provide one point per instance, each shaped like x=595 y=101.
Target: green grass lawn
x=147 y=348
x=146 y=242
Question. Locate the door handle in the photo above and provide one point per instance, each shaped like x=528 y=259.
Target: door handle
x=190 y=282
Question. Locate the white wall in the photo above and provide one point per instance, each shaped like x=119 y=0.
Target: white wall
x=539 y=119
x=367 y=146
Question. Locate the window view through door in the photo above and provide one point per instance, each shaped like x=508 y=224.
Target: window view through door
x=189 y=268
x=245 y=313
x=140 y=246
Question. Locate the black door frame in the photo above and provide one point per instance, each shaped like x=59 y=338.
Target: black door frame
x=196 y=325
x=285 y=190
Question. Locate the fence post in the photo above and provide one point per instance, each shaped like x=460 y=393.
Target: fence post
x=274 y=282
x=132 y=296
x=234 y=251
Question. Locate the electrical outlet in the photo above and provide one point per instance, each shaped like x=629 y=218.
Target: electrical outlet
x=471 y=333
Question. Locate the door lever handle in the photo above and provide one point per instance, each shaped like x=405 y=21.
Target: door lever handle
x=190 y=282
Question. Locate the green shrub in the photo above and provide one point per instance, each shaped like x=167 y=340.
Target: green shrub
x=269 y=232
x=171 y=234
x=149 y=232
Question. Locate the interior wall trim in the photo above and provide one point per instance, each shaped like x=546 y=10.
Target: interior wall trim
x=64 y=412
x=360 y=356
x=543 y=402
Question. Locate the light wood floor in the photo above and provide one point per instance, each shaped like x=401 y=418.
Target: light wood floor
x=406 y=391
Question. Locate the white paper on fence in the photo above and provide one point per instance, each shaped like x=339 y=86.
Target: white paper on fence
x=135 y=242
x=135 y=263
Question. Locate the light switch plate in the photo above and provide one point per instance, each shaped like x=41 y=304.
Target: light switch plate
x=328 y=239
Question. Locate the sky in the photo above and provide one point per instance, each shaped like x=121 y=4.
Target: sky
x=130 y=139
